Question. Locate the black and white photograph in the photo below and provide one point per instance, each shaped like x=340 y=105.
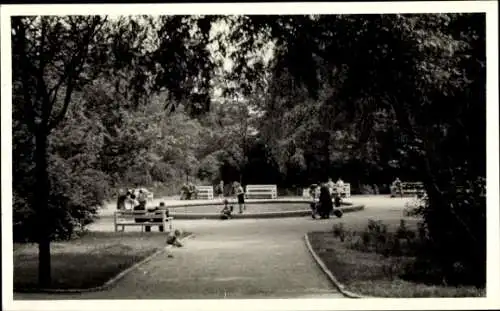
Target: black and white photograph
x=275 y=156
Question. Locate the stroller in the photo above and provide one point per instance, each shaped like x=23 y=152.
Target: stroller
x=315 y=206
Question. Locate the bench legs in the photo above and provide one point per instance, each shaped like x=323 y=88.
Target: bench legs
x=122 y=229
x=147 y=228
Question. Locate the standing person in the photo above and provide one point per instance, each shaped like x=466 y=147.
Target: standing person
x=325 y=202
x=313 y=192
x=331 y=185
x=122 y=198
x=220 y=189
x=240 y=194
x=191 y=191
x=142 y=197
x=184 y=192
x=340 y=187
x=397 y=186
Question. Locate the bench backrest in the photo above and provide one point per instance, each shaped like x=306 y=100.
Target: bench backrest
x=346 y=189
x=205 y=188
x=127 y=214
x=261 y=187
x=411 y=185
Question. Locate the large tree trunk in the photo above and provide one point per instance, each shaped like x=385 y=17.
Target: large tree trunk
x=42 y=208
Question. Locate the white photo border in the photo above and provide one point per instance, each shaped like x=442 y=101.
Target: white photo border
x=493 y=215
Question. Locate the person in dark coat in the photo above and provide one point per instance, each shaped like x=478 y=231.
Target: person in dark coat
x=325 y=202
x=122 y=198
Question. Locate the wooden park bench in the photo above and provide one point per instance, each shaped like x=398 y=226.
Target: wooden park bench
x=407 y=188
x=306 y=194
x=345 y=192
x=205 y=192
x=144 y=219
x=148 y=193
x=262 y=191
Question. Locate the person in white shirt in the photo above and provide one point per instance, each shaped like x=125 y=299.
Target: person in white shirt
x=331 y=186
x=340 y=187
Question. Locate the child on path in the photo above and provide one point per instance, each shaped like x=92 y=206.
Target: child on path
x=226 y=211
x=331 y=185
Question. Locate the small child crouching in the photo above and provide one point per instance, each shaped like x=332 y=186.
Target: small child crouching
x=226 y=211
x=173 y=238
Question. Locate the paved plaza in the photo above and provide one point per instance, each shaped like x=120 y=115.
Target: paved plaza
x=244 y=258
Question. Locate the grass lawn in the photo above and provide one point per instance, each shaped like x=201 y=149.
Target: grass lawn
x=372 y=274
x=86 y=262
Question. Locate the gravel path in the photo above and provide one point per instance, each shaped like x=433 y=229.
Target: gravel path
x=244 y=258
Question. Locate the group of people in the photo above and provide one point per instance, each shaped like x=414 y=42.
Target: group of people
x=188 y=191
x=335 y=189
x=136 y=200
x=227 y=209
x=132 y=199
x=325 y=197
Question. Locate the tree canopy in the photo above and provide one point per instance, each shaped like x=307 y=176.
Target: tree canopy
x=103 y=103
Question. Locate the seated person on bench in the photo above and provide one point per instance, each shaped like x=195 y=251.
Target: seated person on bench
x=157 y=211
x=137 y=207
x=397 y=187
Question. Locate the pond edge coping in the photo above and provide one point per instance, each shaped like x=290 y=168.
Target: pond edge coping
x=340 y=287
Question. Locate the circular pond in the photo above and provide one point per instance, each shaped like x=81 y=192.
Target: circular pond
x=252 y=208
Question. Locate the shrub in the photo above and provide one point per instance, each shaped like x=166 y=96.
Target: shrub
x=377 y=238
x=379 y=234
x=339 y=231
x=367 y=189
x=161 y=172
x=366 y=238
x=74 y=199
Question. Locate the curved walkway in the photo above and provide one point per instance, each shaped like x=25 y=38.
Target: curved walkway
x=245 y=258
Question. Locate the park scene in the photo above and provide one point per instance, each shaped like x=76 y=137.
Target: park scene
x=249 y=156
